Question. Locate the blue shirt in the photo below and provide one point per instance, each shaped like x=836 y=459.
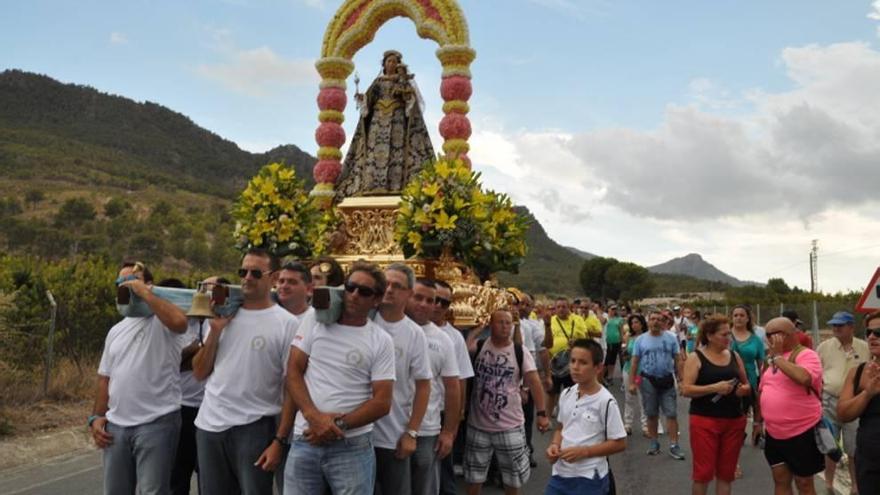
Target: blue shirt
x=656 y=354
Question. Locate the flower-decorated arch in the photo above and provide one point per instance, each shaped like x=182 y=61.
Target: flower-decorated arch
x=353 y=26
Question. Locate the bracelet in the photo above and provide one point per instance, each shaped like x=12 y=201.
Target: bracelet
x=92 y=419
x=282 y=441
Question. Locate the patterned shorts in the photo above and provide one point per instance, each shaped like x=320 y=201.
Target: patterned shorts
x=509 y=448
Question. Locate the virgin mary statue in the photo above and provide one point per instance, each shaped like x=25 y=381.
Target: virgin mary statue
x=391 y=141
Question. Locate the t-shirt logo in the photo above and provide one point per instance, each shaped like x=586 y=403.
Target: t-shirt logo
x=258 y=343
x=354 y=357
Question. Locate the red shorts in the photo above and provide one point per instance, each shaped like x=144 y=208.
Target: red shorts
x=715 y=446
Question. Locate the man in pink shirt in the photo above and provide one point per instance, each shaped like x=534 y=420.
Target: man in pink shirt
x=790 y=389
x=495 y=421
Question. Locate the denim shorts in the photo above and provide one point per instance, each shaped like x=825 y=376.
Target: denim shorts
x=655 y=401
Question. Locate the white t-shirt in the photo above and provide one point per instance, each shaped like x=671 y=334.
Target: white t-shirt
x=443 y=365
x=411 y=363
x=462 y=357
x=248 y=378
x=191 y=390
x=583 y=424
x=142 y=359
x=344 y=361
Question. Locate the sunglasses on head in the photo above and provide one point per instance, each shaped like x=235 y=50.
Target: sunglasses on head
x=442 y=302
x=361 y=289
x=872 y=331
x=257 y=274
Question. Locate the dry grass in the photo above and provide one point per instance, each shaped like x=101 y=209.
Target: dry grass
x=25 y=410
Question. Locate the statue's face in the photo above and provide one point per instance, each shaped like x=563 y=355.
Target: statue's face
x=391 y=63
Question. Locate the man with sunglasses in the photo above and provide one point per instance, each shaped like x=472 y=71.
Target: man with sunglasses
x=243 y=358
x=839 y=355
x=790 y=388
x=136 y=417
x=437 y=434
x=396 y=436
x=341 y=377
x=442 y=313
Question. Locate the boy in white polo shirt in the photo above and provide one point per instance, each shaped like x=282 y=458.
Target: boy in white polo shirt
x=590 y=429
x=244 y=360
x=136 y=418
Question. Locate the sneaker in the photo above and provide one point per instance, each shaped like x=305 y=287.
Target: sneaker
x=675 y=452
x=458 y=469
x=655 y=448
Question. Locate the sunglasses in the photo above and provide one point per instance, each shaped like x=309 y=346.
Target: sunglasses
x=770 y=334
x=872 y=331
x=257 y=274
x=443 y=302
x=361 y=289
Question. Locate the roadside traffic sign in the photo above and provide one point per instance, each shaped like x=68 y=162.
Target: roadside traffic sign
x=870 y=300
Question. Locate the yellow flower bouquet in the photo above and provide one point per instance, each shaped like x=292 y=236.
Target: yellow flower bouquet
x=275 y=212
x=444 y=206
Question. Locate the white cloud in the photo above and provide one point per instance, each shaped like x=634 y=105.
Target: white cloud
x=257 y=71
x=117 y=38
x=875 y=12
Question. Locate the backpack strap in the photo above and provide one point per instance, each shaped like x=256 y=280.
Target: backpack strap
x=480 y=344
x=518 y=351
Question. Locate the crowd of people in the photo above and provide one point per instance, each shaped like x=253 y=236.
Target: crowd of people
x=392 y=399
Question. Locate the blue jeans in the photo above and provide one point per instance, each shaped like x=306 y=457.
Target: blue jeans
x=141 y=456
x=226 y=459
x=347 y=466
x=578 y=486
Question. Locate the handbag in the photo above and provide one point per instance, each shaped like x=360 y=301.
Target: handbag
x=562 y=359
x=661 y=382
x=824 y=432
x=612 y=485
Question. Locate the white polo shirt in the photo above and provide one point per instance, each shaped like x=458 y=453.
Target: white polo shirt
x=462 y=357
x=344 y=361
x=583 y=424
x=443 y=365
x=248 y=378
x=411 y=363
x=142 y=359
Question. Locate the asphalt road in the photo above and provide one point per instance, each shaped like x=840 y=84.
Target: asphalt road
x=636 y=472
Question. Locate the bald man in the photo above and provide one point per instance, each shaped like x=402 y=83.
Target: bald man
x=790 y=389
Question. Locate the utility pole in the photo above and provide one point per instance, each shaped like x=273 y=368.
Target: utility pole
x=814 y=261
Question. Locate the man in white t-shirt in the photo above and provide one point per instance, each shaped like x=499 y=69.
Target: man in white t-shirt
x=442 y=312
x=136 y=417
x=437 y=434
x=533 y=340
x=495 y=422
x=240 y=439
x=341 y=377
x=395 y=436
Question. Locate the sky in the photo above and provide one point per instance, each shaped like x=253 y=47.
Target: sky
x=640 y=130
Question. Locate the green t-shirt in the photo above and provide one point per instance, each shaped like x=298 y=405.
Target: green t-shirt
x=612 y=330
x=751 y=352
x=629 y=352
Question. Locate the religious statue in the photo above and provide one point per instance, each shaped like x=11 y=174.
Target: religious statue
x=391 y=141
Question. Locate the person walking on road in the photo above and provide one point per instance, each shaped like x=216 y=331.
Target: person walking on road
x=860 y=398
x=715 y=380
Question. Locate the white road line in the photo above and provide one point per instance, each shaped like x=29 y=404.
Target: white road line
x=54 y=480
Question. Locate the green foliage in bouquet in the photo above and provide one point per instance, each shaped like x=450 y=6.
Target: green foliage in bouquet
x=321 y=232
x=275 y=212
x=444 y=206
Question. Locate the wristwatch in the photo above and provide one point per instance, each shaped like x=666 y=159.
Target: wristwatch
x=283 y=441
x=340 y=423
x=92 y=419
x=542 y=414
x=413 y=434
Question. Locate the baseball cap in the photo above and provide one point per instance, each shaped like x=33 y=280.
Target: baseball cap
x=676 y=308
x=842 y=318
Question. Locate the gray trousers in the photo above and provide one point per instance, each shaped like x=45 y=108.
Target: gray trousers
x=140 y=457
x=419 y=474
x=226 y=459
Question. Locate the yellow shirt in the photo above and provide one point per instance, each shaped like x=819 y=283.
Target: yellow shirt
x=836 y=362
x=594 y=326
x=572 y=328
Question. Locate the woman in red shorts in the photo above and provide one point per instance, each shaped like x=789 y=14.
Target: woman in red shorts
x=715 y=379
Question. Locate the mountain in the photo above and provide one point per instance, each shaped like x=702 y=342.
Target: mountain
x=77 y=134
x=583 y=254
x=693 y=265
x=549 y=267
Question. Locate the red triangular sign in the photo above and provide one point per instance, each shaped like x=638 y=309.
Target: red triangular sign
x=870 y=300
